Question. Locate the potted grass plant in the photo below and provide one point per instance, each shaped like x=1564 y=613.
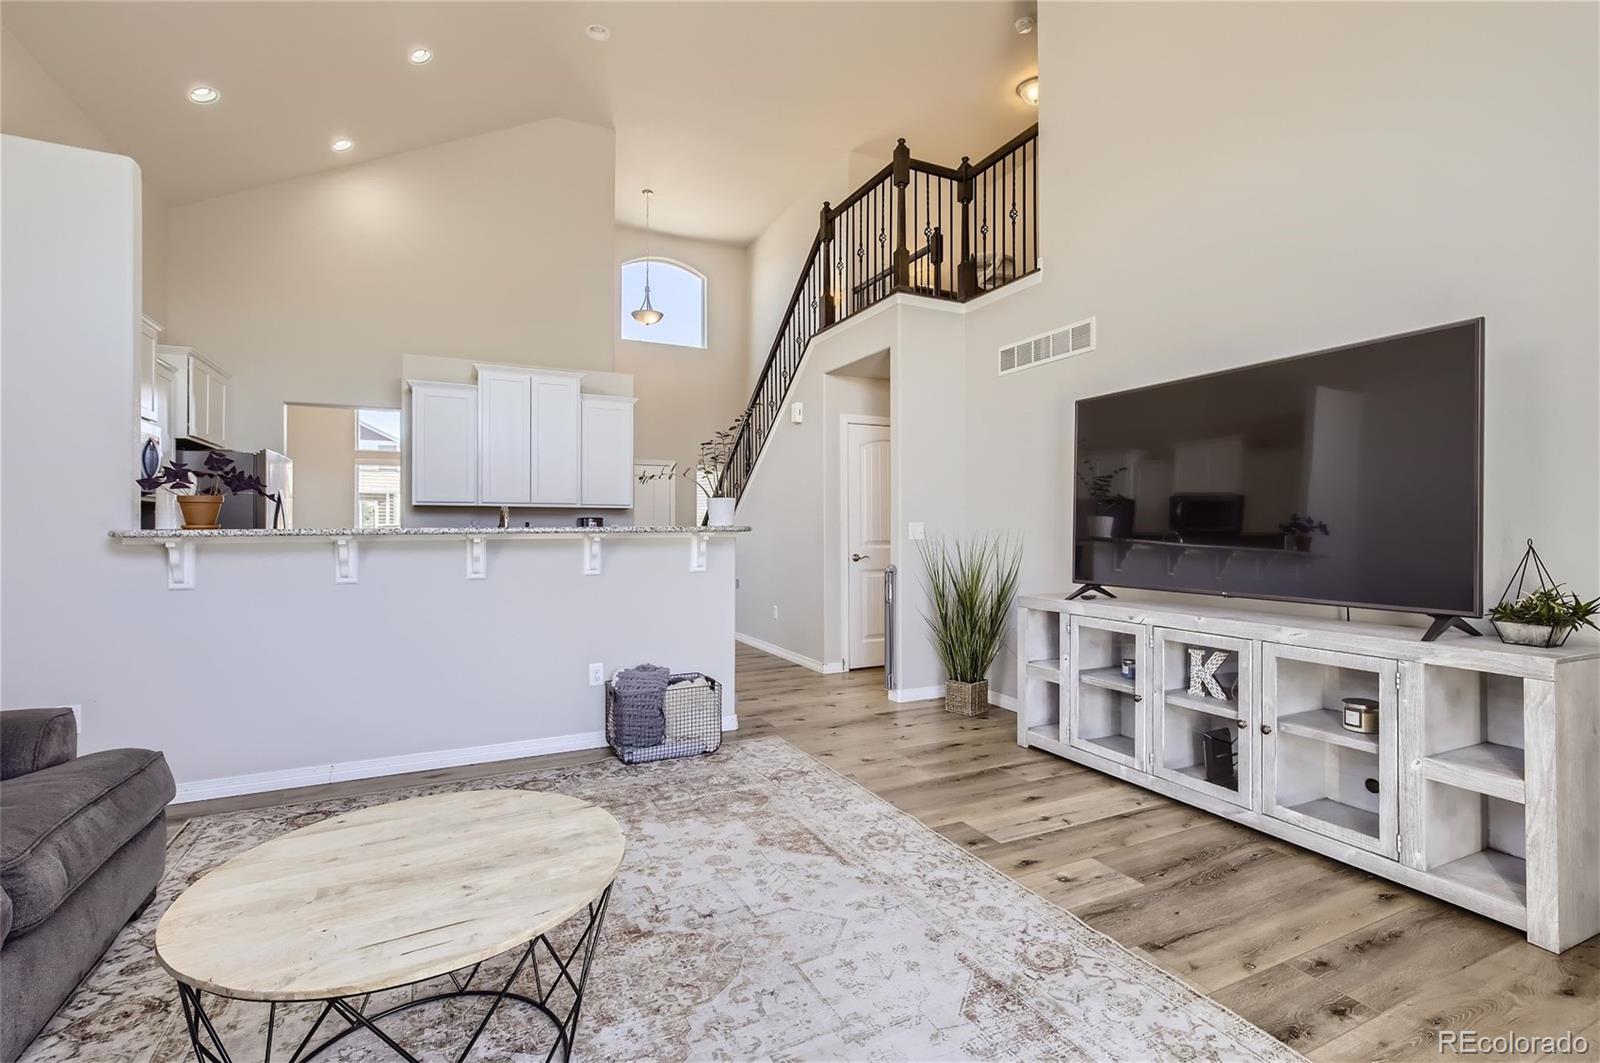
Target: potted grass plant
x=970 y=587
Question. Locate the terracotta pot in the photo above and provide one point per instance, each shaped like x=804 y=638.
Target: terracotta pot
x=967 y=699
x=200 y=511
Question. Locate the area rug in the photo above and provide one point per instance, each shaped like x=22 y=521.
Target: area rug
x=768 y=909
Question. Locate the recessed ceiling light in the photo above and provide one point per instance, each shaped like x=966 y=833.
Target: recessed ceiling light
x=204 y=94
x=419 y=56
x=343 y=144
x=597 y=32
x=1028 y=89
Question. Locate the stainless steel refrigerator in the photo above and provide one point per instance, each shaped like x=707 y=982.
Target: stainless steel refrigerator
x=249 y=510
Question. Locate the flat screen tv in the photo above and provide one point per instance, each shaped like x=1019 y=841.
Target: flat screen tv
x=1350 y=476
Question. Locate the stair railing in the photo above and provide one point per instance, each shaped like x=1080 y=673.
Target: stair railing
x=893 y=235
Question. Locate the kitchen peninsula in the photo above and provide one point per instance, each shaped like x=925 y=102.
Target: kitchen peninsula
x=314 y=655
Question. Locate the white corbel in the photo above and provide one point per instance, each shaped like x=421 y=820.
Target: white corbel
x=180 y=565
x=477 y=559
x=697 y=551
x=591 y=555
x=344 y=560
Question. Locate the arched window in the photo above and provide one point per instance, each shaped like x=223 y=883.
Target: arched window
x=677 y=291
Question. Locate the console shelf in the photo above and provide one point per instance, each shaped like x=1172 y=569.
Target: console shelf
x=1477 y=787
x=1324 y=725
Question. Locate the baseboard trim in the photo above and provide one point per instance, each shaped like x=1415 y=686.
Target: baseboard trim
x=917 y=693
x=405 y=763
x=1003 y=701
x=831 y=668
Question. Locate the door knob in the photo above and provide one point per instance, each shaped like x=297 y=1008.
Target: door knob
x=1241 y=723
x=859 y=557
x=1266 y=729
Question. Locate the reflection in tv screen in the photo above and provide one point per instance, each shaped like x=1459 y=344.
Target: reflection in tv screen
x=1349 y=476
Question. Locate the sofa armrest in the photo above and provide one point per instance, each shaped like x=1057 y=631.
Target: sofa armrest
x=34 y=739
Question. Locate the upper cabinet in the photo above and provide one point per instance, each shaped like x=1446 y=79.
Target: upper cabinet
x=533 y=439
x=607 y=450
x=444 y=444
x=205 y=387
x=149 y=336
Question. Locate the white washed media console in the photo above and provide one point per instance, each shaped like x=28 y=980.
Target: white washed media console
x=1481 y=786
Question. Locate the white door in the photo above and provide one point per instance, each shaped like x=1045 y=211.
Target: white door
x=866 y=540
x=655 y=495
x=505 y=446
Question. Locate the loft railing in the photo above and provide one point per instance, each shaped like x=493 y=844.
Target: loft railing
x=944 y=232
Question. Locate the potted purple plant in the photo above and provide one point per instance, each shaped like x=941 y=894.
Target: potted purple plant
x=200 y=491
x=1298 y=532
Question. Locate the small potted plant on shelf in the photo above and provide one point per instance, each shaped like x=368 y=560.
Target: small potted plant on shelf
x=1298 y=532
x=970 y=590
x=1112 y=515
x=1543 y=616
x=715 y=455
x=200 y=491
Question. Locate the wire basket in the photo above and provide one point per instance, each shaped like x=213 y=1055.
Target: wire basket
x=688 y=724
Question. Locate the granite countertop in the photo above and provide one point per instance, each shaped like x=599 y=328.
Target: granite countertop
x=448 y=533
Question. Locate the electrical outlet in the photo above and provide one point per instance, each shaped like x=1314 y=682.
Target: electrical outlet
x=774 y=612
x=597 y=674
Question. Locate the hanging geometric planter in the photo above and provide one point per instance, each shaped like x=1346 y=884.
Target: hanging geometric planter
x=1542 y=615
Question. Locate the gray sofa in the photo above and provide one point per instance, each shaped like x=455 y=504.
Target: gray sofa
x=82 y=843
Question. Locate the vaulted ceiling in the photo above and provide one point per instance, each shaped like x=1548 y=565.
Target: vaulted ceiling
x=728 y=110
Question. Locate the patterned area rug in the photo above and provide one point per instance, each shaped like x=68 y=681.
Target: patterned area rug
x=768 y=908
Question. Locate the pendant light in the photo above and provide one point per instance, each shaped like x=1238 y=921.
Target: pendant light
x=647 y=314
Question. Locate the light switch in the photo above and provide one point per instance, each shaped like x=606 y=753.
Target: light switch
x=915 y=531
x=797 y=413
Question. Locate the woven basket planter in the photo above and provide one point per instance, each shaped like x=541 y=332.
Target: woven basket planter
x=967 y=699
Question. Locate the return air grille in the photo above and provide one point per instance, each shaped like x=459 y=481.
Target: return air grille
x=1076 y=338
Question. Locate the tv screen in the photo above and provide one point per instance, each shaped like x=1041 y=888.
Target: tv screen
x=1346 y=477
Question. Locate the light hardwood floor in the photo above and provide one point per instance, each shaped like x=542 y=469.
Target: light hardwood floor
x=1337 y=963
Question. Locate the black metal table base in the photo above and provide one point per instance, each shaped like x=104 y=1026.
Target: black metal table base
x=208 y=1046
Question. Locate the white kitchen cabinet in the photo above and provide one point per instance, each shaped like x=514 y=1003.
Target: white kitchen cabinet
x=607 y=450
x=149 y=337
x=204 y=413
x=556 y=434
x=505 y=436
x=444 y=443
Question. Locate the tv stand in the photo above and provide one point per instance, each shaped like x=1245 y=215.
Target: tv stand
x=1441 y=624
x=1089 y=590
x=1478 y=786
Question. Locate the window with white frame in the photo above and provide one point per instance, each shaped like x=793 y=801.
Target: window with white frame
x=377 y=496
x=676 y=290
x=378 y=431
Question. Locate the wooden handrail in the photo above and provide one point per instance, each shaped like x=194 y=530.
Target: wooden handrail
x=956 y=203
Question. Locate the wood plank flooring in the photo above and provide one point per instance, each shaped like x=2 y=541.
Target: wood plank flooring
x=1335 y=962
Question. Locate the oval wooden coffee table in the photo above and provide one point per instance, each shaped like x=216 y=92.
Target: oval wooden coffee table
x=386 y=897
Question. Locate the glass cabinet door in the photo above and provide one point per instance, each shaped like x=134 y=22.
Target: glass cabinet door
x=1106 y=685
x=1202 y=690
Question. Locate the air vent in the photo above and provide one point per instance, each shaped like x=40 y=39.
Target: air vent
x=1076 y=338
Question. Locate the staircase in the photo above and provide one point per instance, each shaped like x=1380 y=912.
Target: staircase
x=937 y=231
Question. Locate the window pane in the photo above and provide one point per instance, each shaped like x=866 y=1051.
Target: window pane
x=679 y=294
x=378 y=430
x=378 y=496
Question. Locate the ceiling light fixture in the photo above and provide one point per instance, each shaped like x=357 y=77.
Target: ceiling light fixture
x=1028 y=89
x=204 y=94
x=419 y=56
x=1024 y=25
x=597 y=32
x=647 y=314
x=343 y=144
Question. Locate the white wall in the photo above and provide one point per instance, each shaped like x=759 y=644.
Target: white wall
x=685 y=393
x=268 y=666
x=1256 y=180
x=497 y=247
x=34 y=105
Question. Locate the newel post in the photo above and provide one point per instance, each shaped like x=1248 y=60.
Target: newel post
x=825 y=252
x=902 y=178
x=967 y=268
